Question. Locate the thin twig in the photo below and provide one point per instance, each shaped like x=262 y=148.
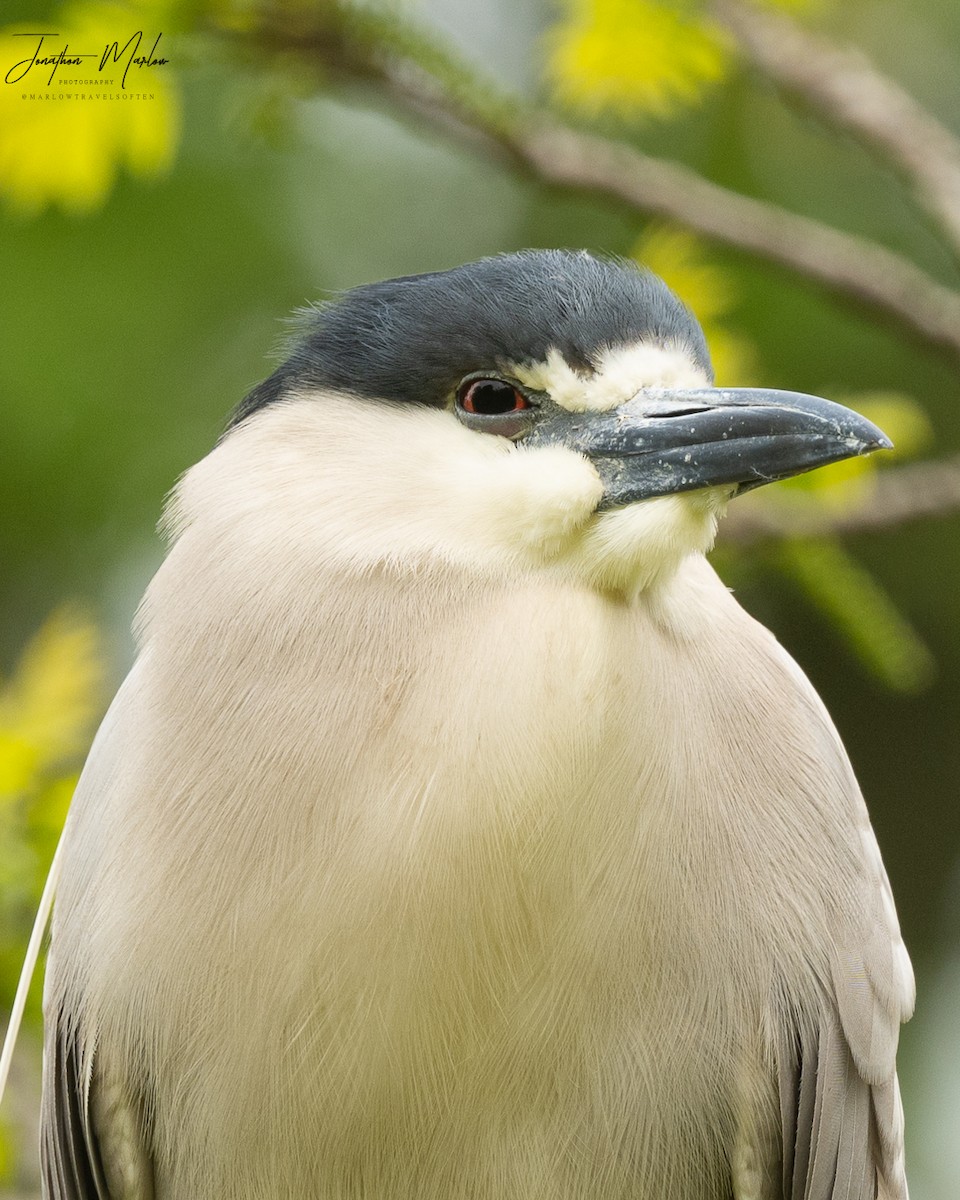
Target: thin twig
x=897 y=496
x=557 y=154
x=853 y=95
x=427 y=83
x=847 y=265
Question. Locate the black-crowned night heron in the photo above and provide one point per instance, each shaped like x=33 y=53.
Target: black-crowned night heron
x=456 y=835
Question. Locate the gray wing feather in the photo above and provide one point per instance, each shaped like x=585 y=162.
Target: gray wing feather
x=842 y=1132
x=856 y=1152
x=840 y=1109
x=91 y=1131
x=824 y=1129
x=69 y=1154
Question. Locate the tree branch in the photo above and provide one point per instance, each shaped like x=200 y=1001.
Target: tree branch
x=429 y=84
x=853 y=95
x=897 y=496
x=845 y=264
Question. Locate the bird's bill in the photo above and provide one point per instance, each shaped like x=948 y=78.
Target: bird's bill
x=677 y=440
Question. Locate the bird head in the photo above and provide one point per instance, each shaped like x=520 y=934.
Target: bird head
x=545 y=409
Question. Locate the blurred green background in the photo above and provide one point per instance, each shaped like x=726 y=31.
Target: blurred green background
x=136 y=313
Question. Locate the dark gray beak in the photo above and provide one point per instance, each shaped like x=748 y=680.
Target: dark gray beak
x=665 y=441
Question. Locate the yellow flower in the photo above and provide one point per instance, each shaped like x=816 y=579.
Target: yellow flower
x=48 y=707
x=64 y=143
x=633 y=56
x=8 y=1151
x=19 y=761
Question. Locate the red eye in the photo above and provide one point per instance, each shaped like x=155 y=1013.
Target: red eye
x=491 y=398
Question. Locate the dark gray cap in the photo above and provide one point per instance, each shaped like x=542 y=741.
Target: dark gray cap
x=413 y=339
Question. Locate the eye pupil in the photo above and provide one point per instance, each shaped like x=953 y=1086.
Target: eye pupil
x=491 y=397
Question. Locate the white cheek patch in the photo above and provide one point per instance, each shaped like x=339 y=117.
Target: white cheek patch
x=557 y=378
x=539 y=499
x=619 y=373
x=356 y=483
x=622 y=371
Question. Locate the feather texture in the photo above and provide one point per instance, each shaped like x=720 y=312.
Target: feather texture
x=448 y=842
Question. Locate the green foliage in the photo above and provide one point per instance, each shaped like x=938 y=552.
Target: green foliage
x=8 y=1152
x=861 y=610
x=47 y=712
